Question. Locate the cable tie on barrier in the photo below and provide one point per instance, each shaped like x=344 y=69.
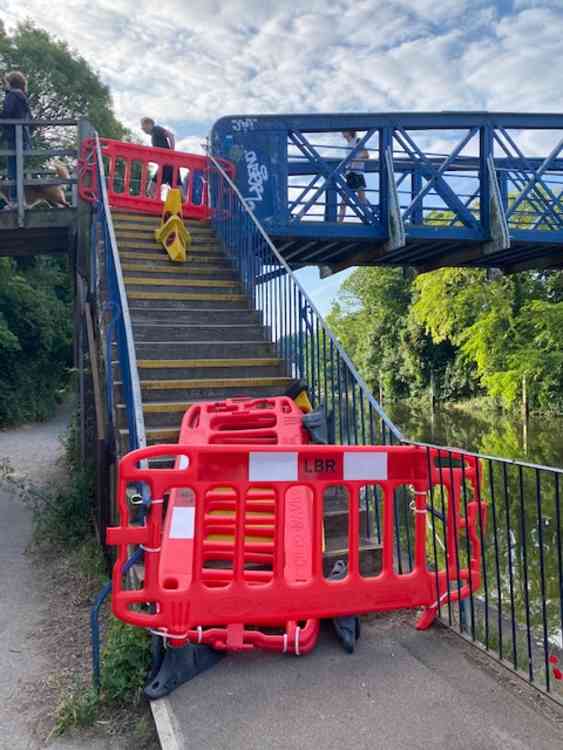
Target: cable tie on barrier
x=163 y=633
x=421 y=492
x=199 y=634
x=159 y=501
x=284 y=651
x=414 y=509
x=297 y=634
x=150 y=549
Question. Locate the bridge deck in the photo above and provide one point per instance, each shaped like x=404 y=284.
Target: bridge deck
x=46 y=231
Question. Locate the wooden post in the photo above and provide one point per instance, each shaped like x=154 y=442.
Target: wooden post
x=381 y=393
x=432 y=392
x=102 y=498
x=525 y=404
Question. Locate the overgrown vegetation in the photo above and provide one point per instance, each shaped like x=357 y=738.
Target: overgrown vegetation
x=471 y=334
x=36 y=293
x=64 y=530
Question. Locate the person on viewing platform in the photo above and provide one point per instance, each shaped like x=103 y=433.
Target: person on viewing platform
x=160 y=138
x=16 y=107
x=354 y=171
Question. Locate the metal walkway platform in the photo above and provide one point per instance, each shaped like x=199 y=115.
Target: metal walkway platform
x=444 y=189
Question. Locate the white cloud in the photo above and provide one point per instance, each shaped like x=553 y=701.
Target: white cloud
x=188 y=65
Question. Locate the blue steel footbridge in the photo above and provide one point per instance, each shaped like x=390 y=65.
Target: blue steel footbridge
x=442 y=189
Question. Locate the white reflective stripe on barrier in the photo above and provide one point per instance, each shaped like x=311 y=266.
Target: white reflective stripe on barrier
x=365 y=466
x=272 y=467
x=183 y=523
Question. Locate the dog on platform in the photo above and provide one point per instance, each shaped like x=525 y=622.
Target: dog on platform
x=54 y=195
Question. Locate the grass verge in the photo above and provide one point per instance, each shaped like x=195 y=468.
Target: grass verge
x=73 y=570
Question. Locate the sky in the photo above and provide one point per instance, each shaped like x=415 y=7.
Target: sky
x=188 y=63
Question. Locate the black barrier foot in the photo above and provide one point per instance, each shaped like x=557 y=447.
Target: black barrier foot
x=347 y=629
x=180 y=665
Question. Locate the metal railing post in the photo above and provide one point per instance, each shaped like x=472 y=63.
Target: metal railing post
x=20 y=192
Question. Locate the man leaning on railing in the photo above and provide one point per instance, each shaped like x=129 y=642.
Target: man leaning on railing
x=16 y=107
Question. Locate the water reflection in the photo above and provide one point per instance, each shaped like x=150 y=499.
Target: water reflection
x=518 y=610
x=541 y=441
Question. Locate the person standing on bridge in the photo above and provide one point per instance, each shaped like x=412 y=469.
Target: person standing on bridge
x=354 y=171
x=160 y=138
x=16 y=107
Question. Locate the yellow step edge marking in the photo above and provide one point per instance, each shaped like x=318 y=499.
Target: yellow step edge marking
x=198 y=247
x=165 y=407
x=187 y=296
x=181 y=384
x=155 y=364
x=161 y=256
x=143 y=281
x=185 y=268
x=126 y=219
x=157 y=433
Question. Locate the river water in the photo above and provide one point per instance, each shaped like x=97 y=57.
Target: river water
x=493 y=433
x=523 y=537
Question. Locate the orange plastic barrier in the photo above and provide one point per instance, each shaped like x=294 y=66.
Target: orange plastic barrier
x=288 y=483
x=136 y=174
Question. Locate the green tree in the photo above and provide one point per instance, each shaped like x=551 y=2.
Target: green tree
x=35 y=293
x=62 y=84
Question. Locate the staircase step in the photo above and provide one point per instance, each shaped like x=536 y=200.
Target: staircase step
x=154 y=369
x=202 y=349
x=210 y=388
x=158 y=256
x=138 y=221
x=145 y=219
x=209 y=298
x=189 y=315
x=198 y=245
x=173 y=284
x=133 y=229
x=199 y=332
x=155 y=435
x=164 y=414
x=179 y=271
x=370 y=555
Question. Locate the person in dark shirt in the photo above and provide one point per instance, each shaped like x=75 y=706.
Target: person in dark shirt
x=16 y=107
x=160 y=138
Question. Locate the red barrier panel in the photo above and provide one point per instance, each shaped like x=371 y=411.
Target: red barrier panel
x=136 y=174
x=236 y=421
x=292 y=482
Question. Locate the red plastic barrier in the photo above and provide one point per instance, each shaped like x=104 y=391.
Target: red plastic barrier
x=135 y=175
x=184 y=598
x=236 y=421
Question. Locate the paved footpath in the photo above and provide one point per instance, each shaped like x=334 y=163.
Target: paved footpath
x=32 y=451
x=402 y=689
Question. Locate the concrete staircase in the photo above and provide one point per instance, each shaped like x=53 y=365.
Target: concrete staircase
x=196 y=337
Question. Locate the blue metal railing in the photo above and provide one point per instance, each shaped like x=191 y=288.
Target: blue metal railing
x=300 y=335
x=118 y=330
x=516 y=615
x=107 y=279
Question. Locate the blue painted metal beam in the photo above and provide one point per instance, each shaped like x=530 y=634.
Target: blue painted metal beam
x=470 y=193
